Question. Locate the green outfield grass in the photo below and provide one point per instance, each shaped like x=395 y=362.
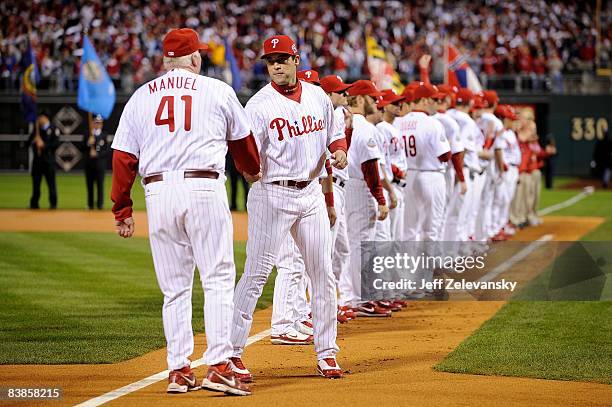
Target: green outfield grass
x=564 y=340
x=84 y=298
x=71 y=191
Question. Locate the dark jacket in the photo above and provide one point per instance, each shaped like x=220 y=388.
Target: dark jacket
x=50 y=137
x=102 y=145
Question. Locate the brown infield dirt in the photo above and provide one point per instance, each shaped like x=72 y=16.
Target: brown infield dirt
x=388 y=361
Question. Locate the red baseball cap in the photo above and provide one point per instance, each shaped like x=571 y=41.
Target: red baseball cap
x=464 y=95
x=389 y=97
x=182 y=41
x=279 y=44
x=309 y=75
x=425 y=90
x=505 y=111
x=490 y=96
x=334 y=84
x=479 y=101
x=444 y=90
x=364 y=87
x=408 y=94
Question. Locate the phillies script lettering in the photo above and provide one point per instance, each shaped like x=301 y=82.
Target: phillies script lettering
x=309 y=125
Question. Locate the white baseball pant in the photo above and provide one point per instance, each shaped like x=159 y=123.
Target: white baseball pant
x=430 y=188
x=274 y=212
x=177 y=209
x=361 y=210
x=290 y=272
x=396 y=216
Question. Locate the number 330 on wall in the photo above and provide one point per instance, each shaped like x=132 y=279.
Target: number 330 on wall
x=587 y=128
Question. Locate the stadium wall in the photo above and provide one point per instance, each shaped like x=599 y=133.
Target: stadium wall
x=575 y=122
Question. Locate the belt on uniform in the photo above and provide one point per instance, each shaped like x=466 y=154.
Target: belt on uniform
x=441 y=171
x=188 y=174
x=514 y=165
x=338 y=181
x=400 y=182
x=292 y=184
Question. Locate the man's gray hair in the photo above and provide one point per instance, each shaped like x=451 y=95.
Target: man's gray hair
x=178 y=62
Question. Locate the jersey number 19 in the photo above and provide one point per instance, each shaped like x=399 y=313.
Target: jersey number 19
x=410 y=144
x=167 y=104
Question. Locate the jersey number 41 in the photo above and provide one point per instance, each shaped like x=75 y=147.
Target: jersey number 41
x=167 y=106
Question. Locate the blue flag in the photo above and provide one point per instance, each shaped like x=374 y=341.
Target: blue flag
x=29 y=80
x=96 y=90
x=304 y=60
x=236 y=77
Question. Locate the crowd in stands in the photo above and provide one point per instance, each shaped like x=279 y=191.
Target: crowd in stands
x=538 y=38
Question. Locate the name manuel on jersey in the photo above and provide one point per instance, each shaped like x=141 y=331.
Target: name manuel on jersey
x=309 y=125
x=172 y=83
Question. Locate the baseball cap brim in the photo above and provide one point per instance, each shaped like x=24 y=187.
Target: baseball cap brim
x=264 y=56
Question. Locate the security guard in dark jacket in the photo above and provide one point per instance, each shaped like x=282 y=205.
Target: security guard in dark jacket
x=44 y=141
x=97 y=150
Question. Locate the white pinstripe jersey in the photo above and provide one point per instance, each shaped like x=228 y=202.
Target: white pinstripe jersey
x=343 y=174
x=451 y=129
x=425 y=142
x=508 y=143
x=469 y=133
x=292 y=136
x=363 y=146
x=181 y=121
x=397 y=148
x=389 y=134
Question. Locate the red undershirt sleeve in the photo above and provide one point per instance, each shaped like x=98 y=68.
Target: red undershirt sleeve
x=348 y=133
x=125 y=167
x=457 y=160
x=245 y=155
x=339 y=144
x=372 y=178
x=445 y=157
x=424 y=72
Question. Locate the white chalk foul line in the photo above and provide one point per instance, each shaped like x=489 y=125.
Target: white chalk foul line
x=565 y=204
x=131 y=388
x=515 y=259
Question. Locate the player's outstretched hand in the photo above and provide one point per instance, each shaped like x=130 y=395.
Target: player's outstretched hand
x=463 y=187
x=424 y=61
x=340 y=160
x=252 y=178
x=383 y=211
x=331 y=214
x=125 y=228
x=393 y=199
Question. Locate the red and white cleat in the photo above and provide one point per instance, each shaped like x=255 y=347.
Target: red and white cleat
x=291 y=338
x=222 y=378
x=182 y=381
x=240 y=371
x=329 y=368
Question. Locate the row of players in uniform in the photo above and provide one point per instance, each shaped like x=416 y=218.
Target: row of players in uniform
x=449 y=161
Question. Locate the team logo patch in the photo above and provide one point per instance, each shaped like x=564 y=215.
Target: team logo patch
x=294 y=49
x=371 y=143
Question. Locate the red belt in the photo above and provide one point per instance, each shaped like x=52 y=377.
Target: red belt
x=293 y=184
x=188 y=174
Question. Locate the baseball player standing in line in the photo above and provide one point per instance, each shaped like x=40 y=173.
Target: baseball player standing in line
x=491 y=127
x=175 y=130
x=428 y=151
x=363 y=193
x=336 y=89
x=507 y=143
x=391 y=105
x=469 y=134
x=455 y=178
x=293 y=123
